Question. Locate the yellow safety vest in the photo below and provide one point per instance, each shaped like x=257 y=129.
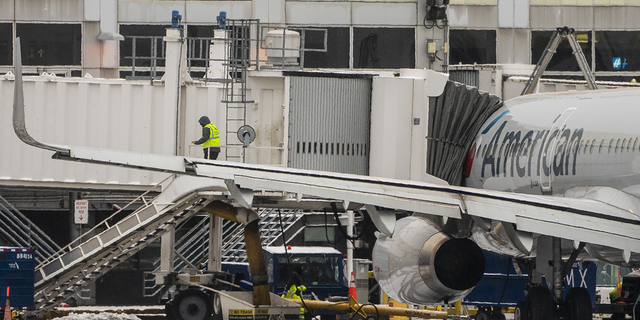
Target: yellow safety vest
x=292 y=293
x=214 y=137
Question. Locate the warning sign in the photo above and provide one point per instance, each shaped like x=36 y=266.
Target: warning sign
x=81 y=213
x=248 y=314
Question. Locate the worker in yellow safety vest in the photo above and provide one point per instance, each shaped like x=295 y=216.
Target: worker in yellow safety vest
x=294 y=289
x=210 y=139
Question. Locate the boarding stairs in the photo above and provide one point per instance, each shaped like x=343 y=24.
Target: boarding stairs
x=114 y=240
x=559 y=35
x=194 y=244
x=21 y=232
x=233 y=248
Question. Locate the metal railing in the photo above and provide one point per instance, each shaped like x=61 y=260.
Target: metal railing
x=21 y=232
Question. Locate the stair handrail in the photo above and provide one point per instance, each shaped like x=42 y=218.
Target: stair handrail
x=105 y=222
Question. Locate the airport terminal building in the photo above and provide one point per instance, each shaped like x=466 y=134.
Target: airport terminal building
x=105 y=38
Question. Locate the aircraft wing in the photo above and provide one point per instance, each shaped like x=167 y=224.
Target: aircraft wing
x=579 y=220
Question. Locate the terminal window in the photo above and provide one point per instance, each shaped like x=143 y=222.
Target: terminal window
x=617 y=50
x=148 y=44
x=563 y=59
x=337 y=48
x=383 y=48
x=6 y=46
x=472 y=46
x=48 y=44
x=199 y=37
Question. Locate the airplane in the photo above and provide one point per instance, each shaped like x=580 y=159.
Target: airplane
x=549 y=176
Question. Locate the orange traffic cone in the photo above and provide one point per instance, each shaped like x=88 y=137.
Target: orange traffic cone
x=7 y=308
x=352 y=287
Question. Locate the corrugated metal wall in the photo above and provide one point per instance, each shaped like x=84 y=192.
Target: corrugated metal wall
x=113 y=114
x=468 y=77
x=329 y=124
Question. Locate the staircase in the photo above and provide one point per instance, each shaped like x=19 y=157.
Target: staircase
x=194 y=244
x=74 y=267
x=233 y=248
x=21 y=232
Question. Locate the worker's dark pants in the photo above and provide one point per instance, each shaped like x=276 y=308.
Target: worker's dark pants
x=211 y=153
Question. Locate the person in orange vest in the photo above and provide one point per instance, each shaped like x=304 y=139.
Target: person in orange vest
x=210 y=139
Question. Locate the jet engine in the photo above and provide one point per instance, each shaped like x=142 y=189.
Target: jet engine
x=422 y=265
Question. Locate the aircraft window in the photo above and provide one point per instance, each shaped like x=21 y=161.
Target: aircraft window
x=593 y=143
x=586 y=146
x=618 y=146
x=623 y=143
x=635 y=143
x=610 y=145
x=601 y=145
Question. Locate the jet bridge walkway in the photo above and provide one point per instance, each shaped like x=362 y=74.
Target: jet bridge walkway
x=74 y=267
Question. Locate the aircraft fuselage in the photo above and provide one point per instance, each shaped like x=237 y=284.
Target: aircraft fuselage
x=536 y=145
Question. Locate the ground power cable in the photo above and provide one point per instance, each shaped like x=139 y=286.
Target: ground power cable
x=504 y=288
x=360 y=308
x=286 y=253
x=340 y=227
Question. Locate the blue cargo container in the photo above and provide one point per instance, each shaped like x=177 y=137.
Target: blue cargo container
x=489 y=290
x=17 y=266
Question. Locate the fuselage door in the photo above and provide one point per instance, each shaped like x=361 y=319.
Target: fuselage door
x=550 y=149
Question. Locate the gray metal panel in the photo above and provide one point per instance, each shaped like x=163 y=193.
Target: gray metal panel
x=329 y=124
x=468 y=77
x=471 y=17
x=618 y=18
x=551 y=17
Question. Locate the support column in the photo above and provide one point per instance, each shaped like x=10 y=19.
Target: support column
x=75 y=230
x=558 y=282
x=352 y=280
x=215 y=243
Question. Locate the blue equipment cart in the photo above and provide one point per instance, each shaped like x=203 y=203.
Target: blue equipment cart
x=17 y=267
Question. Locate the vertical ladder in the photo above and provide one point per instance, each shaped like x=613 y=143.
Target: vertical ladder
x=559 y=35
x=236 y=65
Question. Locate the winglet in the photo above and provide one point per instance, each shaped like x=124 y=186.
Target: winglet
x=18 y=106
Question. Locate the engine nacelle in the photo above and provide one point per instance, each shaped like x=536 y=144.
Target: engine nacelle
x=422 y=265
